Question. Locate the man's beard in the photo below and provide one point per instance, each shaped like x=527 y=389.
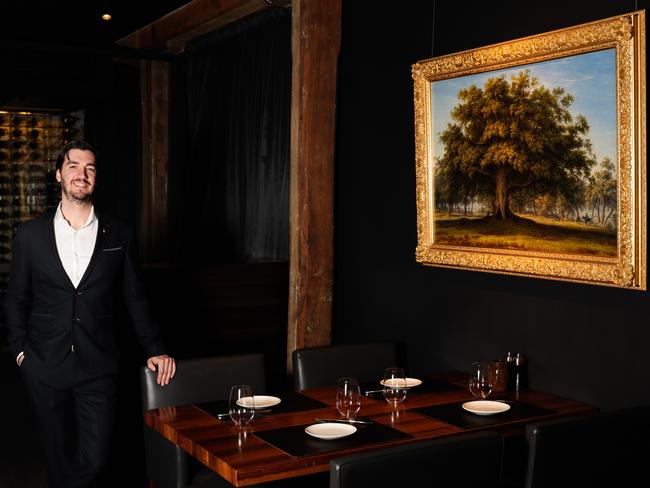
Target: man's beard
x=79 y=197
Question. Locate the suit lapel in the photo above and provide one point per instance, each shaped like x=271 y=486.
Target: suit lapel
x=51 y=239
x=102 y=230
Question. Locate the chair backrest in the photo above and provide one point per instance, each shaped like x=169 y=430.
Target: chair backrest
x=466 y=460
x=314 y=367
x=203 y=380
x=196 y=381
x=606 y=449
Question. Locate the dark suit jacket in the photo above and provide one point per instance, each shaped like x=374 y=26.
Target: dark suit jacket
x=46 y=315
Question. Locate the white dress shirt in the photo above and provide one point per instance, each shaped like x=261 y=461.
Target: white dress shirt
x=75 y=247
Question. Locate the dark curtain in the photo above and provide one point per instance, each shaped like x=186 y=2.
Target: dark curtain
x=229 y=184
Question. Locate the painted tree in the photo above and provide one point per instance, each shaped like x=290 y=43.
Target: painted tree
x=602 y=191
x=516 y=136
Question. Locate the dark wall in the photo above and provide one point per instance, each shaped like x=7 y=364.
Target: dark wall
x=583 y=342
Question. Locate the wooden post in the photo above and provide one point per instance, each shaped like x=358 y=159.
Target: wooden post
x=154 y=86
x=316 y=39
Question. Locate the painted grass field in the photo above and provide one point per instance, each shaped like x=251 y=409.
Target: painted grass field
x=528 y=233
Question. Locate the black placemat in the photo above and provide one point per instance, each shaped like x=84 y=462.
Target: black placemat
x=429 y=385
x=290 y=402
x=296 y=442
x=454 y=414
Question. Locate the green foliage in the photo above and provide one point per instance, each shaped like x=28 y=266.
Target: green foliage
x=514 y=139
x=601 y=192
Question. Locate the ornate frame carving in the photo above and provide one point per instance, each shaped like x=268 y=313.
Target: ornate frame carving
x=625 y=33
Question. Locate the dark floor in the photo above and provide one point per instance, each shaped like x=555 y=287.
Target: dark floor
x=21 y=464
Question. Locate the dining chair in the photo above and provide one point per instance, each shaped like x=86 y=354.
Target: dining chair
x=314 y=367
x=605 y=449
x=466 y=460
x=196 y=381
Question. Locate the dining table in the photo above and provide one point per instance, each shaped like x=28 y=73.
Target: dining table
x=276 y=446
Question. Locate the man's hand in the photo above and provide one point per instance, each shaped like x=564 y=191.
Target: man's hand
x=166 y=367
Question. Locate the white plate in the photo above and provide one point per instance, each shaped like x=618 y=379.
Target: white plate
x=260 y=401
x=410 y=382
x=330 y=430
x=486 y=407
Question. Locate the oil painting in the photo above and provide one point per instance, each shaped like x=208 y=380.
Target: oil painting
x=530 y=156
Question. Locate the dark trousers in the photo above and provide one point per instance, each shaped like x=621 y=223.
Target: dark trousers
x=75 y=412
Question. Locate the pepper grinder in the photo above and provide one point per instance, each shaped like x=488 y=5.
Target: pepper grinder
x=510 y=367
x=517 y=366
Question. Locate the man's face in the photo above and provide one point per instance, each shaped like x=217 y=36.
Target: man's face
x=77 y=176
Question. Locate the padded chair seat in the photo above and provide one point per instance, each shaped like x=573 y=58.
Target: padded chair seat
x=196 y=380
x=468 y=460
x=201 y=380
x=209 y=479
x=607 y=449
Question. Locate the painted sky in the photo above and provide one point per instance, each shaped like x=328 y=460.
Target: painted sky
x=590 y=78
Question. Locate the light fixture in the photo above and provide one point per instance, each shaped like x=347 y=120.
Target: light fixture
x=106 y=9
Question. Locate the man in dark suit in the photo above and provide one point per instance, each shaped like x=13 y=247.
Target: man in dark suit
x=70 y=268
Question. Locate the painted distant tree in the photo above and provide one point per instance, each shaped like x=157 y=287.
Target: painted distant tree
x=602 y=191
x=516 y=136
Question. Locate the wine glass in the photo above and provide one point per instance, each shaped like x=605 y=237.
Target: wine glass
x=241 y=404
x=395 y=389
x=480 y=385
x=498 y=376
x=348 y=397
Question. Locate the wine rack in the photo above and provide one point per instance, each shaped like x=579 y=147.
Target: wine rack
x=29 y=144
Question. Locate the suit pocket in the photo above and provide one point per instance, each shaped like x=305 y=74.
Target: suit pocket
x=113 y=249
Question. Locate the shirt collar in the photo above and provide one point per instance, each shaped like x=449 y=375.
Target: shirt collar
x=58 y=217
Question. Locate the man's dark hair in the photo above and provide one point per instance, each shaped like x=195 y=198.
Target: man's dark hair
x=83 y=145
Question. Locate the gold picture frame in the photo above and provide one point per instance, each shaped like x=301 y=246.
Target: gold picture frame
x=512 y=177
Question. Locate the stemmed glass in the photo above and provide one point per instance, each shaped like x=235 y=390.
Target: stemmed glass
x=480 y=384
x=395 y=389
x=241 y=404
x=348 y=397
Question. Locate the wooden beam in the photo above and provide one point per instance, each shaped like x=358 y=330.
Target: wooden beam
x=316 y=39
x=171 y=32
x=154 y=93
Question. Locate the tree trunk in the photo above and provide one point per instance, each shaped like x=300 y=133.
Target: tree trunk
x=609 y=214
x=502 y=206
x=600 y=220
